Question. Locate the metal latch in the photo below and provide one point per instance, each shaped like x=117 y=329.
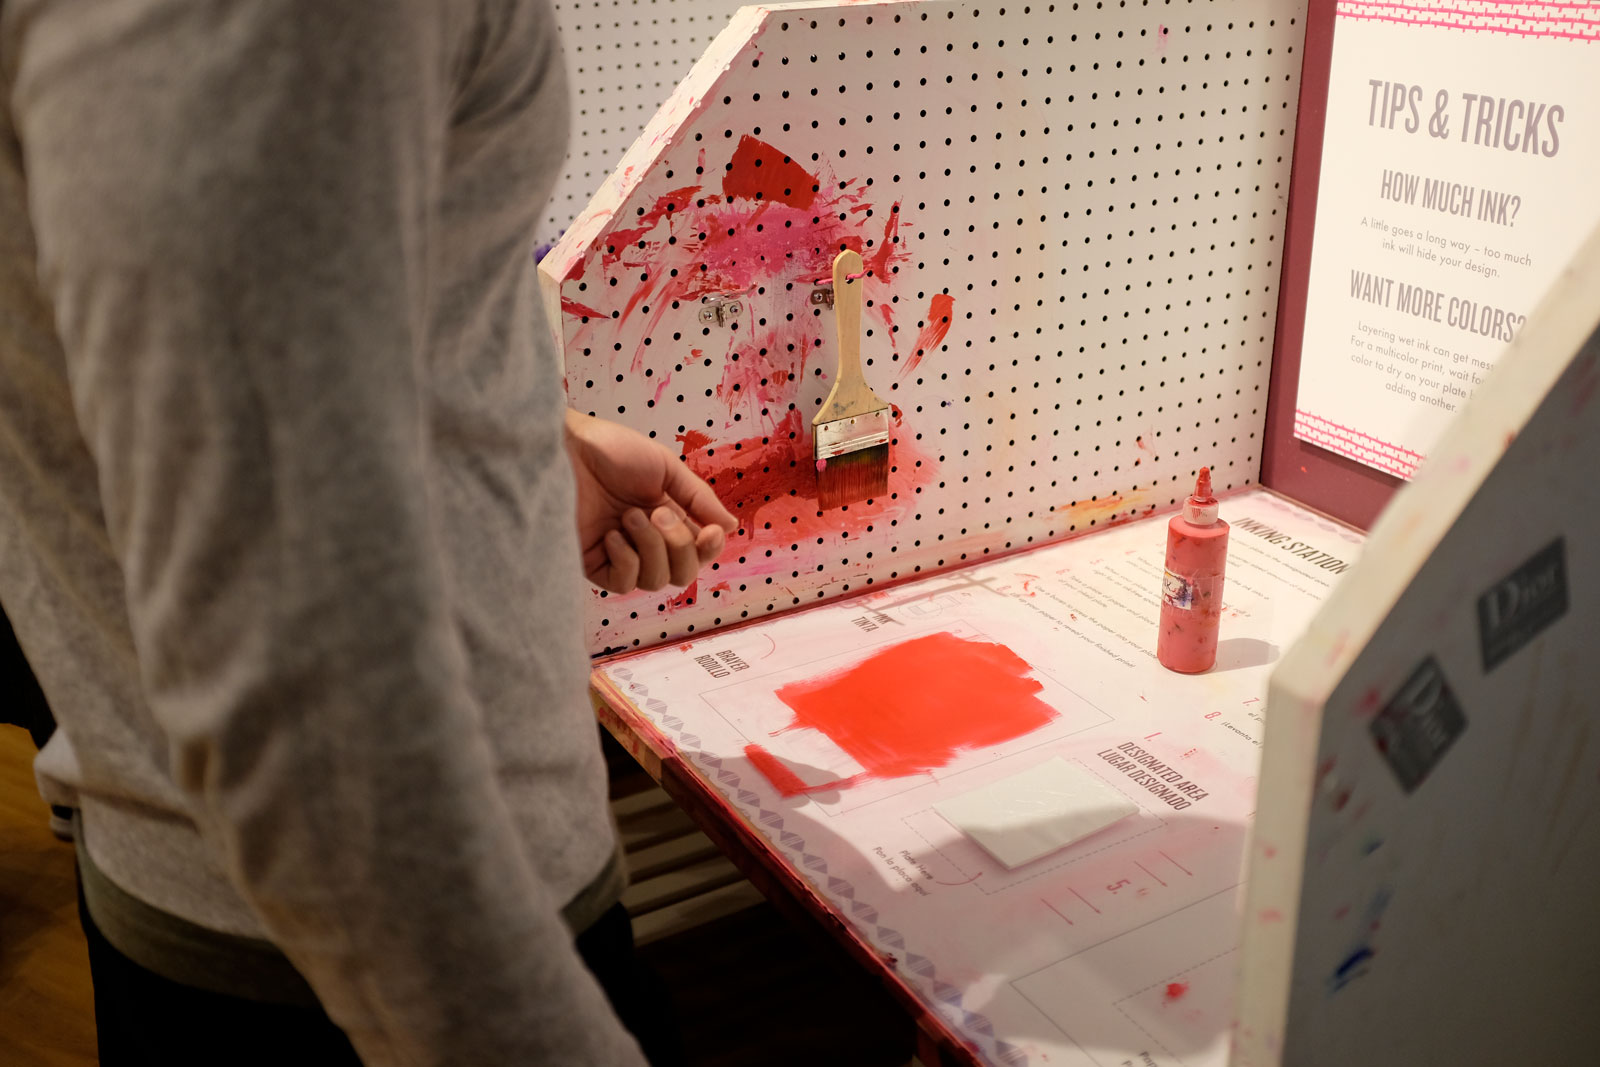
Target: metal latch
x=822 y=294
x=719 y=310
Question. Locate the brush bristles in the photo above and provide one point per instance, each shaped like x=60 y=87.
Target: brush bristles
x=853 y=476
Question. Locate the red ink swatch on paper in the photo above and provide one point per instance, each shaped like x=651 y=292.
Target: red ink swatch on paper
x=760 y=172
x=912 y=707
x=1175 y=991
x=787 y=782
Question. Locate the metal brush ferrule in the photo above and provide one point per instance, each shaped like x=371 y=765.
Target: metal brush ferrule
x=851 y=434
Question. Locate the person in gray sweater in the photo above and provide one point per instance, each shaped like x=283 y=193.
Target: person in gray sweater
x=293 y=523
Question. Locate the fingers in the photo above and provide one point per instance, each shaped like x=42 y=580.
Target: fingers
x=652 y=549
x=650 y=552
x=709 y=542
x=620 y=571
x=683 y=562
x=696 y=498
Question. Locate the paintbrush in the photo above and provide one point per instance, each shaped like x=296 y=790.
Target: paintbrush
x=850 y=435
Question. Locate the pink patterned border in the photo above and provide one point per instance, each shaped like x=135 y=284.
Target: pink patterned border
x=1519 y=18
x=1353 y=444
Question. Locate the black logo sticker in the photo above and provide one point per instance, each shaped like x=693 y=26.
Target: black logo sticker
x=1415 y=729
x=1524 y=602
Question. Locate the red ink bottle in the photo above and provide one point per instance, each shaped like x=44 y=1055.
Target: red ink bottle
x=1191 y=591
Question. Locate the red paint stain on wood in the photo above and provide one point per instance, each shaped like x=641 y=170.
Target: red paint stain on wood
x=685 y=598
x=570 y=306
x=693 y=441
x=888 y=251
x=1175 y=992
x=1270 y=915
x=760 y=172
x=911 y=708
x=936 y=325
x=752 y=474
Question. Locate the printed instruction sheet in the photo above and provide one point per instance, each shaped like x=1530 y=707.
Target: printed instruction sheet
x=840 y=733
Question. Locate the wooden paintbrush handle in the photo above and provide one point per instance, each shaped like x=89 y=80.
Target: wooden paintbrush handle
x=850 y=394
x=847 y=314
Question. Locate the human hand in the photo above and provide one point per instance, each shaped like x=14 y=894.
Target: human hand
x=644 y=519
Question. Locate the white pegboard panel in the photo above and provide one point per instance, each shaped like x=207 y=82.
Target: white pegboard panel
x=1092 y=194
x=624 y=57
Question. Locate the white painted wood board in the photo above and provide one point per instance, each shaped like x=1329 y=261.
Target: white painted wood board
x=1437 y=904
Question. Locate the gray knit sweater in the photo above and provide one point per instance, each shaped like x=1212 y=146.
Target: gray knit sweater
x=286 y=524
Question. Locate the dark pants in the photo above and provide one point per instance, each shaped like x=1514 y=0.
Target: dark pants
x=145 y=1020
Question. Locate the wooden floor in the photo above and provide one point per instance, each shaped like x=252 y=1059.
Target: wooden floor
x=46 y=1006
x=750 y=988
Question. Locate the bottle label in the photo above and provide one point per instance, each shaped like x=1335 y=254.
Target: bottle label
x=1177 y=591
x=1192 y=593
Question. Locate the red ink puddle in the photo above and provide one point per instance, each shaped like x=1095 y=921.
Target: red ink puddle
x=759 y=171
x=911 y=708
x=937 y=324
x=1175 y=991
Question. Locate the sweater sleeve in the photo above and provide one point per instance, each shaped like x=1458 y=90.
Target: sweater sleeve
x=232 y=211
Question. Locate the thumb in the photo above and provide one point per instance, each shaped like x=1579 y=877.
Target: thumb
x=690 y=492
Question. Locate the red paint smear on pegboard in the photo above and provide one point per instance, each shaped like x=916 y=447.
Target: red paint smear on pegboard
x=1175 y=991
x=908 y=709
x=693 y=440
x=755 y=473
x=685 y=598
x=582 y=311
x=761 y=172
x=936 y=325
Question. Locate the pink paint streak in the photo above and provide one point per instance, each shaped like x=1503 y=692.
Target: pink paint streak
x=665 y=381
x=936 y=325
x=909 y=709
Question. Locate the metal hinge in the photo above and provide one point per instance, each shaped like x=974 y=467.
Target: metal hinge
x=822 y=294
x=719 y=310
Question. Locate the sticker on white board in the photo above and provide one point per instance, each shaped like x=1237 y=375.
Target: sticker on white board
x=1028 y=815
